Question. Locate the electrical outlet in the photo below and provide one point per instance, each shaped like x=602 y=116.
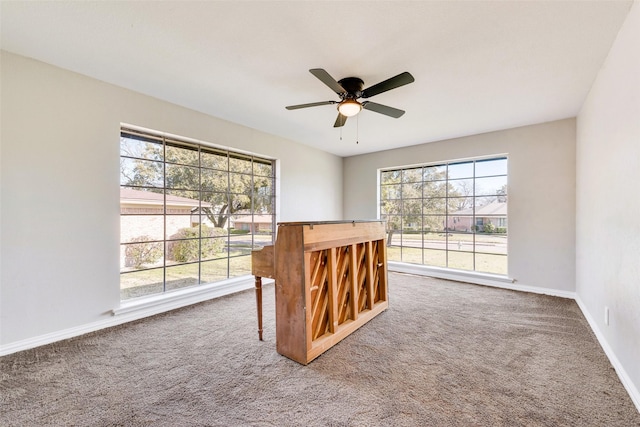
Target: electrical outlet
x=606 y=316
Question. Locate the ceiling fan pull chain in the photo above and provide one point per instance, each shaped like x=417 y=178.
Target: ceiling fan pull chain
x=357 y=129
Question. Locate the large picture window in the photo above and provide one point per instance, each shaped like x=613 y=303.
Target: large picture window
x=451 y=215
x=189 y=213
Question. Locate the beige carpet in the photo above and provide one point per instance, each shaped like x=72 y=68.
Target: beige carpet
x=443 y=354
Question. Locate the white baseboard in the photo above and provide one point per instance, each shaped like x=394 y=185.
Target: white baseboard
x=486 y=279
x=138 y=309
x=622 y=374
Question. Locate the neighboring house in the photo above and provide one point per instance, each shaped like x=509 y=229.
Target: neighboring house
x=494 y=213
x=141 y=214
x=253 y=225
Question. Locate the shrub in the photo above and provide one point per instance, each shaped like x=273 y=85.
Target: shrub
x=489 y=228
x=501 y=230
x=142 y=252
x=187 y=249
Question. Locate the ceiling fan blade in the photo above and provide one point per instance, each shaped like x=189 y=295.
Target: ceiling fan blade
x=392 y=83
x=340 y=121
x=325 y=78
x=313 y=104
x=382 y=109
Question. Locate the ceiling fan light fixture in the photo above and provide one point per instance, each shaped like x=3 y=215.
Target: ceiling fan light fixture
x=349 y=107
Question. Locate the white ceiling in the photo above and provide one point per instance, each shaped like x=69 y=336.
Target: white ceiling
x=479 y=66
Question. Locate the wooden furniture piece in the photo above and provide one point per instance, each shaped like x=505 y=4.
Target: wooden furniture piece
x=330 y=279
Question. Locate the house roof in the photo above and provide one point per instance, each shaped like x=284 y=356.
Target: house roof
x=138 y=197
x=479 y=66
x=492 y=209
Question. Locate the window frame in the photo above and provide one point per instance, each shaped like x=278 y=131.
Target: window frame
x=250 y=184
x=441 y=234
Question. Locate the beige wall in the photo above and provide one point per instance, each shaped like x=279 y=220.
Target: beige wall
x=608 y=203
x=541 y=190
x=60 y=203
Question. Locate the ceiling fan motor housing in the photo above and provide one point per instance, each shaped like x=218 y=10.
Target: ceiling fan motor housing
x=353 y=86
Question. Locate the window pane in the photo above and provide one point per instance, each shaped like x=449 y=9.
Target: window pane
x=141 y=283
x=139 y=228
x=462 y=242
x=240 y=202
x=460 y=260
x=434 y=189
x=496 y=185
x=390 y=177
x=435 y=173
x=182 y=155
x=393 y=230
x=460 y=170
x=264 y=205
x=391 y=206
x=214 y=271
x=141 y=173
x=481 y=202
x=217 y=202
x=240 y=183
x=242 y=224
x=411 y=224
x=434 y=223
x=411 y=255
x=181 y=276
x=141 y=148
x=240 y=266
x=412 y=175
x=262 y=194
x=435 y=241
x=263 y=186
x=491 y=243
x=460 y=222
x=180 y=226
x=411 y=207
x=262 y=169
x=214 y=180
x=213 y=159
x=394 y=253
x=188 y=198
x=412 y=190
x=435 y=258
x=213 y=248
x=491 y=167
x=140 y=253
x=460 y=187
x=496 y=264
x=182 y=177
x=434 y=206
x=390 y=192
x=240 y=164
x=460 y=205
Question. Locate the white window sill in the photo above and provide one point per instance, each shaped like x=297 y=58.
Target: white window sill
x=450 y=274
x=148 y=306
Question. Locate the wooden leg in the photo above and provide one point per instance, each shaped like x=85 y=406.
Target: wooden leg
x=259 y=304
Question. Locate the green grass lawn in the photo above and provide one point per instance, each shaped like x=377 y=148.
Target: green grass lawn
x=485 y=263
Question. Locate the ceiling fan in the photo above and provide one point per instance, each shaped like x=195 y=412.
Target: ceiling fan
x=350 y=90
